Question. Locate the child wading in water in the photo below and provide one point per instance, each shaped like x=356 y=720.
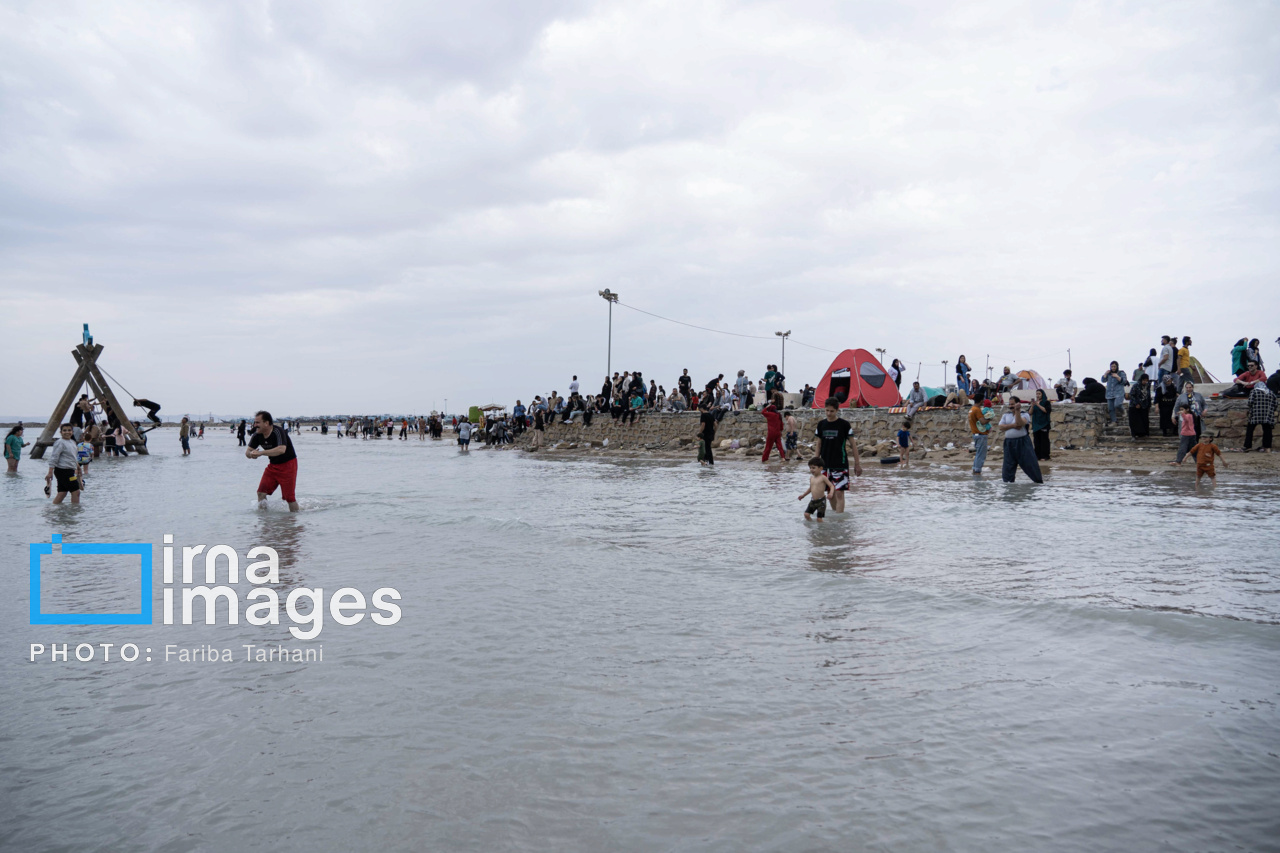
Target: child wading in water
x=905 y=443
x=1204 y=453
x=819 y=488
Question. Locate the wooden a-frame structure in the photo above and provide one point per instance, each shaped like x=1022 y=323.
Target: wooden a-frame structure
x=86 y=356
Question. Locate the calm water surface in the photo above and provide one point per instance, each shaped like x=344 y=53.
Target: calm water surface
x=602 y=654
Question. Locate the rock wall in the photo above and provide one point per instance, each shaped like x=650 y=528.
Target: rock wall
x=1077 y=425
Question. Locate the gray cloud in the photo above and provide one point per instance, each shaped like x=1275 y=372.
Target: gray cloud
x=420 y=200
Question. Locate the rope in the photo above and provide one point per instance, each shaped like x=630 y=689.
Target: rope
x=720 y=331
x=918 y=364
x=118 y=382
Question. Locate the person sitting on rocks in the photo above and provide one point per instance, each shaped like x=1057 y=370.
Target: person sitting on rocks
x=1066 y=387
x=1246 y=381
x=1007 y=381
x=915 y=400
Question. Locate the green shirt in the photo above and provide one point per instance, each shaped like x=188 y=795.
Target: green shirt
x=13 y=447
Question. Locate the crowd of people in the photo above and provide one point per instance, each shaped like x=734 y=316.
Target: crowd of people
x=1163 y=382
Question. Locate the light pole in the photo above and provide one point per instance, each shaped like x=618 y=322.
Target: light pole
x=609 y=296
x=784 y=335
x=944 y=376
x=882 y=351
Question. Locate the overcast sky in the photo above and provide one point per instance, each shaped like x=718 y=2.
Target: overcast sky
x=340 y=207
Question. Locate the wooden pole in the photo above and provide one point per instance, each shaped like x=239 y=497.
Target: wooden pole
x=60 y=410
x=90 y=360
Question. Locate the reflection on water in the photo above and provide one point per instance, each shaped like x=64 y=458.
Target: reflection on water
x=616 y=654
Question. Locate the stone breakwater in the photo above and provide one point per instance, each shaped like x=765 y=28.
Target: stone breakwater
x=1080 y=425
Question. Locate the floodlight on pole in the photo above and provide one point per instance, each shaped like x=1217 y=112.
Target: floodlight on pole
x=609 y=296
x=784 y=335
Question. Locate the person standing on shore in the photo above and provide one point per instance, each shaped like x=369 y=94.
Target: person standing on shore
x=282 y=461
x=1116 y=381
x=979 y=427
x=1166 y=398
x=685 y=384
x=240 y=430
x=1254 y=354
x=1017 y=447
x=539 y=427
x=962 y=375
x=1184 y=360
x=1140 y=408
x=1262 y=413
x=834 y=435
x=13 y=445
x=64 y=463
x=895 y=373
x=184 y=436
x=1186 y=432
x=1166 y=363
x=773 y=435
x=1194 y=401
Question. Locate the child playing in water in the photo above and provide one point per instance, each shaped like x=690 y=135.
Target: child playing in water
x=1204 y=453
x=793 y=433
x=819 y=488
x=905 y=443
x=84 y=455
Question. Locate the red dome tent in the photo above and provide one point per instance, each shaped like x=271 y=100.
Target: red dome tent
x=857 y=380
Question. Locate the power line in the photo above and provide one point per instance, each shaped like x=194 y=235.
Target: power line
x=736 y=334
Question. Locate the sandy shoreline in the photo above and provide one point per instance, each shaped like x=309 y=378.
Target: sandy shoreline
x=1113 y=459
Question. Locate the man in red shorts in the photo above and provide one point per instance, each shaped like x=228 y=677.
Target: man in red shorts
x=282 y=462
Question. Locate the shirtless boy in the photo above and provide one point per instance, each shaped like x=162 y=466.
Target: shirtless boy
x=819 y=488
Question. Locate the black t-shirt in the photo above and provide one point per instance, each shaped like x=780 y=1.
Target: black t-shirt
x=833 y=435
x=278 y=437
x=685 y=382
x=713 y=385
x=77 y=415
x=708 y=421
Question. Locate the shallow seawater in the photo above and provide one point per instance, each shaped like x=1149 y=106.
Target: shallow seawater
x=602 y=654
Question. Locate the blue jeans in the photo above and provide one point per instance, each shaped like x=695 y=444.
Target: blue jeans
x=979 y=451
x=1114 y=404
x=1018 y=453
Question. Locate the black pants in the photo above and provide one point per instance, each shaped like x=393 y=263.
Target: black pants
x=706 y=455
x=242 y=441
x=1040 y=438
x=1266 y=436
x=151 y=413
x=1166 y=417
x=1018 y=454
x=586 y=417
x=1139 y=422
